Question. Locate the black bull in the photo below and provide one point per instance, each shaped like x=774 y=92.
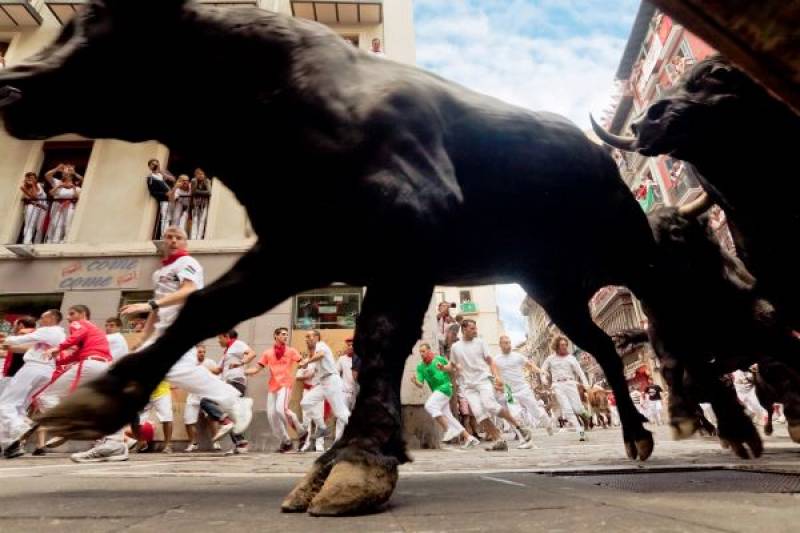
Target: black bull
x=438 y=185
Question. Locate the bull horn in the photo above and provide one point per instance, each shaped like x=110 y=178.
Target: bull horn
x=623 y=143
x=696 y=207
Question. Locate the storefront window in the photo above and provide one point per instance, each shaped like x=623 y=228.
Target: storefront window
x=14 y=306
x=328 y=308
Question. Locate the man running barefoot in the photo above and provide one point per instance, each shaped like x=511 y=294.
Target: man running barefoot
x=435 y=371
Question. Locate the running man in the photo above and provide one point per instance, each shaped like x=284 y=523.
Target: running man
x=511 y=367
x=35 y=373
x=179 y=276
x=435 y=371
x=473 y=362
x=281 y=361
x=330 y=386
x=563 y=372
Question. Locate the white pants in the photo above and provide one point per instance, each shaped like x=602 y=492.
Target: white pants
x=199 y=218
x=536 y=415
x=654 y=409
x=566 y=393
x=279 y=414
x=329 y=388
x=751 y=403
x=34 y=224
x=481 y=399
x=162 y=407
x=438 y=404
x=350 y=398
x=61 y=214
x=614 y=415
x=16 y=396
x=191 y=411
x=75 y=376
x=163 y=218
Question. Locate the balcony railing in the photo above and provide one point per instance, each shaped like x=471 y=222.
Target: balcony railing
x=685 y=185
x=46 y=221
x=188 y=212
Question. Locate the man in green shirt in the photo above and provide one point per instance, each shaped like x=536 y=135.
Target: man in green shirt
x=435 y=371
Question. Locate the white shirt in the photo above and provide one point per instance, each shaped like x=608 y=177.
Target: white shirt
x=167 y=280
x=118 y=346
x=344 y=366
x=470 y=356
x=234 y=356
x=511 y=367
x=326 y=365
x=42 y=340
x=564 y=368
x=308 y=374
x=742 y=381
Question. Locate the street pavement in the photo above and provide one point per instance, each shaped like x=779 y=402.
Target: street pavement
x=562 y=485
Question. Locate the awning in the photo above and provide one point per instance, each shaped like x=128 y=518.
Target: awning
x=64 y=10
x=16 y=13
x=362 y=12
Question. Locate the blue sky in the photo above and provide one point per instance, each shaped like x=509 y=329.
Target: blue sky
x=554 y=55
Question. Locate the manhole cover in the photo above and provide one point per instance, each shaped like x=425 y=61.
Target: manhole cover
x=694 y=481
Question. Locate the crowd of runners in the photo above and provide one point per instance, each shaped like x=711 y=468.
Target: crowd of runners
x=475 y=395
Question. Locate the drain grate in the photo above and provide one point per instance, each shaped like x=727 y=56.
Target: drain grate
x=717 y=480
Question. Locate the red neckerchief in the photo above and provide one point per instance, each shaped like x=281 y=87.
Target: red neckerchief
x=174 y=257
x=279 y=350
x=225 y=353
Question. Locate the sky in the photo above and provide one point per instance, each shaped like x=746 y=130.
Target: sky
x=553 y=55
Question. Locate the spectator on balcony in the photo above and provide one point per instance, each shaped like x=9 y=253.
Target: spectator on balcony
x=160 y=183
x=376 y=47
x=35 y=199
x=201 y=195
x=181 y=198
x=65 y=194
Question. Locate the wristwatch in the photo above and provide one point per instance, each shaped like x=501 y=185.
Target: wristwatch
x=153 y=305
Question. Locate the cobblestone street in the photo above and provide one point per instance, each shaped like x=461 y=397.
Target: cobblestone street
x=562 y=485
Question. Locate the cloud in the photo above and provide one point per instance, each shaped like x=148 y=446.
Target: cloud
x=552 y=55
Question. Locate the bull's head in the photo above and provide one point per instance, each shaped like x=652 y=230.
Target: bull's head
x=123 y=69
x=712 y=97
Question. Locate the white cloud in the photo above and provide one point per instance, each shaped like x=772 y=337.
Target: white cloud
x=552 y=55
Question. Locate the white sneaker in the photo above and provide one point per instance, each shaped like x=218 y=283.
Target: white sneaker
x=107 y=451
x=527 y=445
x=581 y=436
x=216 y=446
x=224 y=428
x=193 y=447
x=319 y=445
x=450 y=434
x=471 y=443
x=242 y=415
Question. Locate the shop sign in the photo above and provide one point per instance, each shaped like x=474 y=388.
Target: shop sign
x=94 y=274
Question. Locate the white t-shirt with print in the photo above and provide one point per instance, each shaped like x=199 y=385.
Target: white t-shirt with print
x=167 y=280
x=470 y=356
x=42 y=340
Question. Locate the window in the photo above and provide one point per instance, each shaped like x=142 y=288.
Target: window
x=327 y=308
x=50 y=218
x=135 y=323
x=189 y=199
x=14 y=306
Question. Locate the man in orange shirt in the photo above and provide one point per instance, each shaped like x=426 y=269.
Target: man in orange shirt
x=280 y=360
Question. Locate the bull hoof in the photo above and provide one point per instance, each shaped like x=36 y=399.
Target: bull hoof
x=94 y=410
x=740 y=435
x=640 y=447
x=794 y=432
x=683 y=428
x=300 y=498
x=354 y=488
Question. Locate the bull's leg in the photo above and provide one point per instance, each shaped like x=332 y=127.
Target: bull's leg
x=734 y=427
x=107 y=403
x=683 y=407
x=576 y=322
x=785 y=382
x=359 y=472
